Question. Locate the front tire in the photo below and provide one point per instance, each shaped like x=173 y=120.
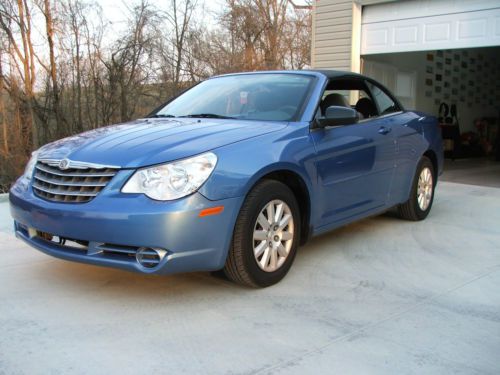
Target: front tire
x=418 y=206
x=266 y=236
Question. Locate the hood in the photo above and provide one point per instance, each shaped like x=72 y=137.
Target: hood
x=151 y=141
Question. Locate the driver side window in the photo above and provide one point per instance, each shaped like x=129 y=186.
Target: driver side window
x=349 y=93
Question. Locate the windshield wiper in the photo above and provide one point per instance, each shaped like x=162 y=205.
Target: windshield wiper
x=208 y=115
x=159 y=115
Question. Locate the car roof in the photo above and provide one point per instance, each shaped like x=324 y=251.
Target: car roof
x=328 y=73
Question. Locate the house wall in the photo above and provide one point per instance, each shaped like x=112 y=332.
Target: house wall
x=332 y=34
x=336 y=34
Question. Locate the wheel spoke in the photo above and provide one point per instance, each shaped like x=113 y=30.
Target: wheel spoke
x=263 y=221
x=270 y=212
x=279 y=213
x=286 y=236
x=265 y=258
x=260 y=235
x=284 y=221
x=274 y=259
x=259 y=250
x=282 y=251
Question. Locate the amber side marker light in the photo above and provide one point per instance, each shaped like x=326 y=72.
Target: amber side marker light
x=211 y=211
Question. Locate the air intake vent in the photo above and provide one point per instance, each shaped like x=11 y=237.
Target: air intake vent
x=148 y=257
x=76 y=183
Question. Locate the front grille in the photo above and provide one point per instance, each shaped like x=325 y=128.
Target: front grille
x=76 y=184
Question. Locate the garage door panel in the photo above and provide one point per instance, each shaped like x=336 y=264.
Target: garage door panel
x=437 y=32
x=398 y=10
x=458 y=30
x=406 y=34
x=472 y=28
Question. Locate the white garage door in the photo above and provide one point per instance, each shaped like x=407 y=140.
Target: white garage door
x=421 y=25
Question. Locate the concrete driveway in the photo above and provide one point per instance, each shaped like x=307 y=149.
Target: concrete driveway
x=382 y=296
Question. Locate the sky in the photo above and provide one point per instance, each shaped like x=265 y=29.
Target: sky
x=115 y=10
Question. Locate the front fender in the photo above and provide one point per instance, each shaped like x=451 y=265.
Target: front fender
x=241 y=165
x=279 y=167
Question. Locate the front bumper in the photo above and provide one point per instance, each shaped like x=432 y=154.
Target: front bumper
x=192 y=243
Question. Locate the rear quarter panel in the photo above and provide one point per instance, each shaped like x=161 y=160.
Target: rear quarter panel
x=416 y=134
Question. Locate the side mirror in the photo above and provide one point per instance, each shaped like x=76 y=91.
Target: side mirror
x=336 y=115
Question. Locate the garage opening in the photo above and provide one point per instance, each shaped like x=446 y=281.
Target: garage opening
x=442 y=57
x=459 y=86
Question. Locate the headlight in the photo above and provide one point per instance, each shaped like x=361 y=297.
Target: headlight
x=173 y=180
x=30 y=166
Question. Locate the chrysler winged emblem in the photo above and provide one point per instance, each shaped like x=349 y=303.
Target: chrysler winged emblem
x=64 y=164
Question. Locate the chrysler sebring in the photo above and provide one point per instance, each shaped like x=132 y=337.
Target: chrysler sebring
x=233 y=174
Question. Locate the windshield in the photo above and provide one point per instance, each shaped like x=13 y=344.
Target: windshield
x=268 y=97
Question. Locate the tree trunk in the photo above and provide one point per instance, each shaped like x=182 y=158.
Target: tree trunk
x=3 y=114
x=61 y=131
x=29 y=127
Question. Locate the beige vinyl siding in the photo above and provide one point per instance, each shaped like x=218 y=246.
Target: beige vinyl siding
x=332 y=34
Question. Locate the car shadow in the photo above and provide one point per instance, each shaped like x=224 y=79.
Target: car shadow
x=374 y=223
x=79 y=278
x=83 y=279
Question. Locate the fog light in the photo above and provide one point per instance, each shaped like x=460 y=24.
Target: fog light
x=149 y=257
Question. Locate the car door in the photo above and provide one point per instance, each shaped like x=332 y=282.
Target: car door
x=355 y=165
x=407 y=132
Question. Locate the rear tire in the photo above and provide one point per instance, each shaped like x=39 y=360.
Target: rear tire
x=418 y=206
x=266 y=236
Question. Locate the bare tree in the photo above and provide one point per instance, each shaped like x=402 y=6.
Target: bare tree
x=74 y=12
x=52 y=69
x=93 y=34
x=70 y=77
x=173 y=43
x=3 y=113
x=265 y=34
x=15 y=20
x=127 y=66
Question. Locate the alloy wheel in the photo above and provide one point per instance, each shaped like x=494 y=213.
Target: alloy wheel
x=273 y=235
x=424 y=189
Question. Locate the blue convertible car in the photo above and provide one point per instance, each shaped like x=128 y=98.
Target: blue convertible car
x=233 y=174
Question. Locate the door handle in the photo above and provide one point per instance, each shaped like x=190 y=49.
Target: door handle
x=384 y=130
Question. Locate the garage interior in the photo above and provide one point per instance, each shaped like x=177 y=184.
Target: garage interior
x=441 y=57
x=459 y=86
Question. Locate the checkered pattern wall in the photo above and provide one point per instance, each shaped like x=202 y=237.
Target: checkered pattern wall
x=462 y=77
